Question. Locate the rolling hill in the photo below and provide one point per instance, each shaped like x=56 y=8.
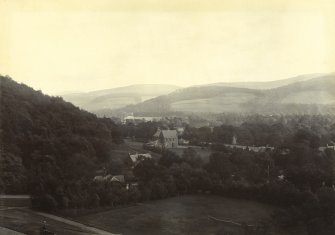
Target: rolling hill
x=292 y=95
x=305 y=96
x=118 y=97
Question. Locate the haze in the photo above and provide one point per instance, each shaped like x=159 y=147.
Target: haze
x=59 y=46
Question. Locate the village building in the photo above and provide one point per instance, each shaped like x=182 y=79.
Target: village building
x=132 y=185
x=134 y=159
x=136 y=120
x=168 y=139
x=118 y=179
x=328 y=146
x=110 y=178
x=165 y=139
x=256 y=149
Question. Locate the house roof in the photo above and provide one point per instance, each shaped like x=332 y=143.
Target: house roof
x=98 y=178
x=138 y=156
x=169 y=133
x=118 y=178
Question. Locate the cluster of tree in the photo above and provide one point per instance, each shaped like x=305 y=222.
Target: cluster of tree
x=170 y=176
x=262 y=130
x=307 y=186
x=88 y=194
x=144 y=131
x=48 y=147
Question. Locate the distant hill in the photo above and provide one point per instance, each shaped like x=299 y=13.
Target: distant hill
x=118 y=97
x=47 y=144
x=268 y=84
x=304 y=96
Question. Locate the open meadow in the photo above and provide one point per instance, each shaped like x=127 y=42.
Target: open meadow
x=179 y=215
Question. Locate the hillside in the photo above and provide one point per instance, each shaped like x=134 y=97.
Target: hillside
x=314 y=96
x=311 y=96
x=118 y=97
x=197 y=99
x=48 y=144
x=318 y=90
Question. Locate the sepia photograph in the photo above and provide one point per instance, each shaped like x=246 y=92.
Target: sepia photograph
x=167 y=117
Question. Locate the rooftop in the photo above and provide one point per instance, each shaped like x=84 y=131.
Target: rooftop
x=169 y=133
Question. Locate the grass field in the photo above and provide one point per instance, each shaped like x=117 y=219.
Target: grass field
x=179 y=215
x=203 y=153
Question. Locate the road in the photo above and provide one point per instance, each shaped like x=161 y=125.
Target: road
x=27 y=221
x=76 y=224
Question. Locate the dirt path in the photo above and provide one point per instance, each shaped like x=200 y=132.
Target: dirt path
x=76 y=224
x=6 y=231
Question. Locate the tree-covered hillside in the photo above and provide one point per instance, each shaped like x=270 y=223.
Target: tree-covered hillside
x=48 y=145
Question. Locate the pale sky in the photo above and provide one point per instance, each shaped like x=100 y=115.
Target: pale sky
x=84 y=45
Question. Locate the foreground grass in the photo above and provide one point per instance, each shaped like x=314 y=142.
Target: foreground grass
x=179 y=215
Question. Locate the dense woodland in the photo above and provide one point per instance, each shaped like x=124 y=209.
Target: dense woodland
x=52 y=150
x=48 y=146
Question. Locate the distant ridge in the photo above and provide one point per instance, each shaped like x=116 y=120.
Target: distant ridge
x=118 y=97
x=307 y=94
x=304 y=94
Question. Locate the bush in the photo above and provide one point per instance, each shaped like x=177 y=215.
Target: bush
x=45 y=203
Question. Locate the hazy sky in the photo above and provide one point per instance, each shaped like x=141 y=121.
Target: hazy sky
x=83 y=45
